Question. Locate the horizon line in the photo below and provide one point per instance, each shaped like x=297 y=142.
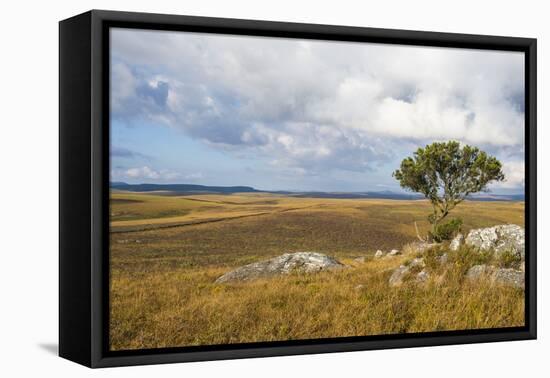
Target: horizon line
x=306 y=191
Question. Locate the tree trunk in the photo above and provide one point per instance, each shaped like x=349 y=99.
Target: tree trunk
x=434 y=226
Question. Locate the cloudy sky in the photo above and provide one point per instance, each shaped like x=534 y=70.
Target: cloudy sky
x=289 y=114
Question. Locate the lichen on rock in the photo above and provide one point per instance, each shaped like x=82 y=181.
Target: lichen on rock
x=503 y=276
x=306 y=262
x=500 y=239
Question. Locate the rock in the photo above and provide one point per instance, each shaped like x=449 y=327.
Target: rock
x=307 y=262
x=502 y=238
x=394 y=252
x=456 y=242
x=378 y=254
x=396 y=279
x=359 y=287
x=126 y=241
x=360 y=260
x=522 y=266
x=417 y=262
x=422 y=276
x=443 y=259
x=400 y=274
x=403 y=271
x=476 y=271
x=509 y=277
x=503 y=276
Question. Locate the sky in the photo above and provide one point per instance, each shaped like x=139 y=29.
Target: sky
x=303 y=115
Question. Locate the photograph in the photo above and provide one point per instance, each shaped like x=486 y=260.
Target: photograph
x=270 y=189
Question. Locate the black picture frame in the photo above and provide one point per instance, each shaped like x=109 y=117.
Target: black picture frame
x=84 y=186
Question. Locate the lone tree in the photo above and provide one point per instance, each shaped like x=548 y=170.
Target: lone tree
x=446 y=173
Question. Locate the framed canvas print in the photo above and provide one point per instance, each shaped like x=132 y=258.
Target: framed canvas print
x=234 y=188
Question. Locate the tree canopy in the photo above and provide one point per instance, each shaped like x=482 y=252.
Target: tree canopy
x=446 y=173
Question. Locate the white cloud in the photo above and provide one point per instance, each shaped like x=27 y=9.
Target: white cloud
x=123 y=85
x=314 y=106
x=514 y=172
x=143 y=173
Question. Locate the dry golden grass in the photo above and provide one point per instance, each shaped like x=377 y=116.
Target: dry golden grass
x=162 y=280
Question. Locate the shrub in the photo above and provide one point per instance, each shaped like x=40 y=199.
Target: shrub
x=446 y=231
x=482 y=257
x=466 y=257
x=509 y=259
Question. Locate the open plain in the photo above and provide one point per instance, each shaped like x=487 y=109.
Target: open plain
x=167 y=251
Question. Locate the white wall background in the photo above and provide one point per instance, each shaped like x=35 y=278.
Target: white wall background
x=29 y=186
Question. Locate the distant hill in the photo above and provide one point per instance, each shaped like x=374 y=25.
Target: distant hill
x=496 y=197
x=352 y=195
x=182 y=188
x=176 y=189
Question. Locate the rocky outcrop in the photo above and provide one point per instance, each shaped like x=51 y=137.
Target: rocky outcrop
x=500 y=239
x=417 y=262
x=398 y=275
x=503 y=276
x=404 y=272
x=478 y=271
x=510 y=277
x=307 y=262
x=456 y=242
x=422 y=276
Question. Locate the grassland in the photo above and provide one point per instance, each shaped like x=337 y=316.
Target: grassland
x=166 y=252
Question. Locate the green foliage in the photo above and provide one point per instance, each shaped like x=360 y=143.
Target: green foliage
x=509 y=259
x=446 y=231
x=446 y=173
x=466 y=257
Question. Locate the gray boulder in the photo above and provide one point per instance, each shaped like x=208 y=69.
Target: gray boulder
x=502 y=238
x=503 y=276
x=307 y=262
x=416 y=262
x=378 y=254
x=422 y=276
x=398 y=275
x=510 y=277
x=478 y=271
x=456 y=242
x=403 y=272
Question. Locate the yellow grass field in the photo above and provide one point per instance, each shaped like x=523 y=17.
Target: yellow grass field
x=167 y=251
